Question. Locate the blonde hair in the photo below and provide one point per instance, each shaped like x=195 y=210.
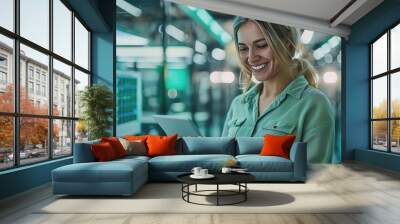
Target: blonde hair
x=284 y=43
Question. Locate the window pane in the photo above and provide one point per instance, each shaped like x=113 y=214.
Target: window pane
x=62 y=138
x=6 y=74
x=33 y=139
x=379 y=97
x=35 y=21
x=7 y=14
x=6 y=142
x=62 y=89
x=379 y=55
x=395 y=136
x=81 y=45
x=81 y=81
x=395 y=94
x=81 y=131
x=395 y=47
x=34 y=97
x=62 y=29
x=379 y=135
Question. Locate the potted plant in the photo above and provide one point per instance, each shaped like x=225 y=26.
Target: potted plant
x=96 y=103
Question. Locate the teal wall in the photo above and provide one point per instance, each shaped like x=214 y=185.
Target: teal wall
x=24 y=178
x=102 y=58
x=98 y=15
x=357 y=84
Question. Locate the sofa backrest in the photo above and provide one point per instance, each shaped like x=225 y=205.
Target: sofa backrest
x=83 y=152
x=249 y=145
x=206 y=145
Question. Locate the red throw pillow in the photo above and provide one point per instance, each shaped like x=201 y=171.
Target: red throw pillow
x=136 y=137
x=103 y=151
x=161 y=145
x=116 y=145
x=277 y=145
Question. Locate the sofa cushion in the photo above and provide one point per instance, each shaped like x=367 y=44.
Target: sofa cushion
x=116 y=145
x=277 y=145
x=257 y=163
x=103 y=152
x=161 y=145
x=112 y=171
x=207 y=145
x=249 y=145
x=185 y=163
x=134 y=147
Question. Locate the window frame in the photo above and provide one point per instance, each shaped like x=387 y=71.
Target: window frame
x=16 y=114
x=388 y=74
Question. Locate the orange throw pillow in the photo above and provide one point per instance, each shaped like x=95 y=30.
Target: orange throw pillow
x=103 y=152
x=135 y=137
x=161 y=145
x=116 y=145
x=277 y=145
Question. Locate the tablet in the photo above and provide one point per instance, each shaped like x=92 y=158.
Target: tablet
x=177 y=125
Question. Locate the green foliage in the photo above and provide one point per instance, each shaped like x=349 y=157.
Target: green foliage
x=96 y=102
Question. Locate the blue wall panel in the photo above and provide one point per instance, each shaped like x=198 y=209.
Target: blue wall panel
x=357 y=83
x=24 y=178
x=102 y=58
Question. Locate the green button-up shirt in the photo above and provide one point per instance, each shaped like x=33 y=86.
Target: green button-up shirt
x=299 y=109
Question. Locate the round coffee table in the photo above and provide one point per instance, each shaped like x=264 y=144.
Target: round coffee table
x=238 y=179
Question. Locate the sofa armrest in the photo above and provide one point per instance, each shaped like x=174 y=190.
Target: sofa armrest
x=83 y=152
x=298 y=155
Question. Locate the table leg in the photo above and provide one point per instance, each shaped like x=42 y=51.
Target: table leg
x=217 y=194
x=245 y=193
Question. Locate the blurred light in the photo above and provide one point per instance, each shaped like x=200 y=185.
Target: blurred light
x=200 y=47
x=228 y=77
x=129 y=8
x=175 y=33
x=318 y=54
x=203 y=15
x=153 y=54
x=199 y=59
x=124 y=38
x=216 y=28
x=172 y=93
x=339 y=57
x=218 y=54
x=330 y=77
x=226 y=37
x=306 y=36
x=334 y=41
x=178 y=107
x=328 y=58
x=222 y=77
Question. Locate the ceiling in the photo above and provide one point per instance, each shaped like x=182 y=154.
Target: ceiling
x=327 y=16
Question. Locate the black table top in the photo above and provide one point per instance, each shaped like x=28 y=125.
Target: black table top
x=220 y=178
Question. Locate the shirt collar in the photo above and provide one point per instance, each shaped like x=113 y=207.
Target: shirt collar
x=295 y=88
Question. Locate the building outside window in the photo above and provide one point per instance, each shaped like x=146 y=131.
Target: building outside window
x=30 y=87
x=56 y=135
x=30 y=72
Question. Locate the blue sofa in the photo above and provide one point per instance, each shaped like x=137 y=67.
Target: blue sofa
x=125 y=176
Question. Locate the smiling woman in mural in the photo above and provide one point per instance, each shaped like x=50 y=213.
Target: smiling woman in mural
x=287 y=100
